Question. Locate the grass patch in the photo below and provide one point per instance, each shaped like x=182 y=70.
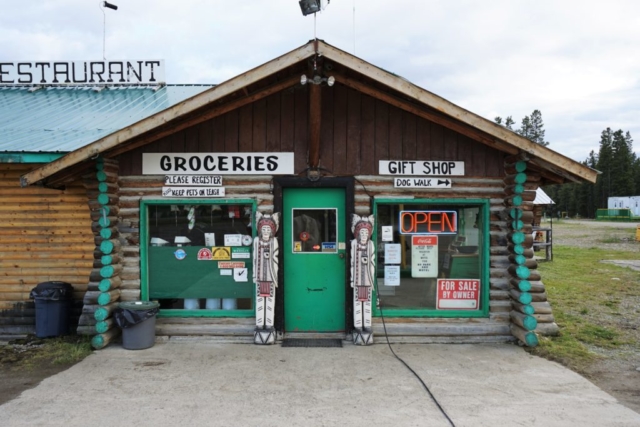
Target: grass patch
x=586 y=297
x=33 y=352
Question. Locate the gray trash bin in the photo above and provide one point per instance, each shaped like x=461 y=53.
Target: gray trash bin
x=137 y=319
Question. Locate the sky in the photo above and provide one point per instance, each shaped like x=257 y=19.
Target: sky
x=577 y=61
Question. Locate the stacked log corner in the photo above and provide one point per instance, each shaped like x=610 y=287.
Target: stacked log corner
x=530 y=310
x=103 y=292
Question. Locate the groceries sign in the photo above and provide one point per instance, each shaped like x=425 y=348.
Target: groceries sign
x=217 y=163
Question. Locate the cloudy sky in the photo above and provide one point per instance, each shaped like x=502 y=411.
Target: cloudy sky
x=578 y=61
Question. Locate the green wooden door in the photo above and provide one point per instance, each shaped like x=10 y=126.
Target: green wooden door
x=314 y=259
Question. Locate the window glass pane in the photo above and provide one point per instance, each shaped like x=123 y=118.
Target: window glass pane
x=419 y=246
x=199 y=256
x=314 y=230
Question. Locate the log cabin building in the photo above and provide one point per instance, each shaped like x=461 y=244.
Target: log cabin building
x=164 y=209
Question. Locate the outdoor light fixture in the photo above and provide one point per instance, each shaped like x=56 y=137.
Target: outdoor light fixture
x=110 y=5
x=317 y=80
x=309 y=6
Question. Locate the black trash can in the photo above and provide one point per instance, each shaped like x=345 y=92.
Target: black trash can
x=53 y=308
x=137 y=319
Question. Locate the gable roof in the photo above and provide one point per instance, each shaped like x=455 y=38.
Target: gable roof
x=60 y=119
x=285 y=71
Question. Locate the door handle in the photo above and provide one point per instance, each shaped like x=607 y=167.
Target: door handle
x=341 y=256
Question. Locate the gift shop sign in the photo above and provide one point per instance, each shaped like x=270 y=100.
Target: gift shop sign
x=420 y=168
x=424 y=256
x=217 y=163
x=458 y=294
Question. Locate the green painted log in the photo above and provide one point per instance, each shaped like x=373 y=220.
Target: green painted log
x=518 y=249
x=515 y=200
x=520 y=260
x=104 y=325
x=515 y=213
x=102 y=340
x=524 y=308
x=107 y=271
x=522 y=297
x=521 y=166
x=104 y=312
x=518 y=238
x=104 y=222
x=101 y=176
x=108 y=297
x=521 y=285
x=520 y=178
x=106 y=233
x=517 y=225
x=107 y=199
x=530 y=339
x=525 y=321
x=108 y=246
x=106 y=260
x=106 y=210
x=109 y=284
x=523 y=272
x=103 y=187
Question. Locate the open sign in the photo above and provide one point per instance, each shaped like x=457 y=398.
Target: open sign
x=428 y=222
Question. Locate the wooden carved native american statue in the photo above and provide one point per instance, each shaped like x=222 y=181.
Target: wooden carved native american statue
x=363 y=273
x=265 y=276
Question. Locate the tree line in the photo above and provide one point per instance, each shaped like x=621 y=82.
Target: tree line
x=616 y=161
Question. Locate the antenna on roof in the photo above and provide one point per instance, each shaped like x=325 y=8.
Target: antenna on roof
x=104 y=24
x=312 y=6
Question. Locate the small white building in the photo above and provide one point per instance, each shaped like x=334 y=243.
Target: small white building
x=634 y=205
x=618 y=203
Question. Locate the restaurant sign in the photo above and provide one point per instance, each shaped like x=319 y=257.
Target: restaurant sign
x=82 y=72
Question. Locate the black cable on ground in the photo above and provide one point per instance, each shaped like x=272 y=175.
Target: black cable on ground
x=384 y=325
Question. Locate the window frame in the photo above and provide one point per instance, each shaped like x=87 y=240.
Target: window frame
x=144 y=264
x=484 y=206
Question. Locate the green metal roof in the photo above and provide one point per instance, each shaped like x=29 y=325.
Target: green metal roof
x=60 y=119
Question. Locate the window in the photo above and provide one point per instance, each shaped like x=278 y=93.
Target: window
x=314 y=231
x=432 y=257
x=197 y=256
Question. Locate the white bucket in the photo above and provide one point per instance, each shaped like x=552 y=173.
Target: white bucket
x=191 y=304
x=213 y=304
x=229 y=304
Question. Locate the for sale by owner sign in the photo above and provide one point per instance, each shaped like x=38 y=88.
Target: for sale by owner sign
x=458 y=294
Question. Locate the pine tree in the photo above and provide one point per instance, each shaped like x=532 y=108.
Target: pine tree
x=621 y=165
x=531 y=127
x=605 y=154
x=508 y=123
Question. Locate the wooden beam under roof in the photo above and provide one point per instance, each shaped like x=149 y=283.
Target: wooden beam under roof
x=202 y=117
x=177 y=111
x=425 y=114
x=450 y=109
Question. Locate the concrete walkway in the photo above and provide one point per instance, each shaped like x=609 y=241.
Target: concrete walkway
x=207 y=383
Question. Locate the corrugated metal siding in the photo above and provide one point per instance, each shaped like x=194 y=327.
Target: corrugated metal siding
x=65 y=118
x=44 y=235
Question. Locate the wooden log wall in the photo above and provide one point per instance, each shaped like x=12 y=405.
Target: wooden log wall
x=45 y=235
x=492 y=329
x=530 y=311
x=103 y=291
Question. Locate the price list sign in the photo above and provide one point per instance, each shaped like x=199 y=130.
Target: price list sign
x=424 y=256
